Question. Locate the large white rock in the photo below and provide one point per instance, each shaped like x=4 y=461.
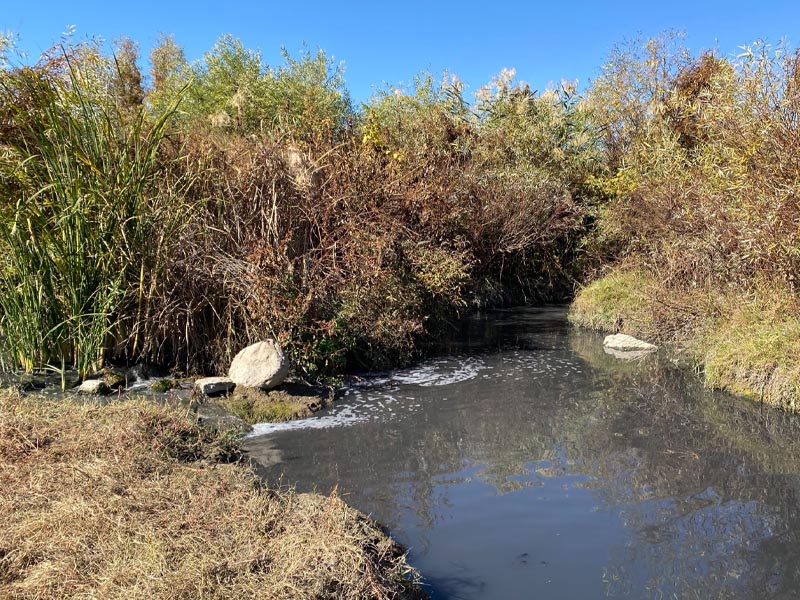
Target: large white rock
x=627 y=354
x=95 y=387
x=214 y=385
x=627 y=343
x=262 y=365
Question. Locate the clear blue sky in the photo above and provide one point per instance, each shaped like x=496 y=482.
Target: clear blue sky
x=391 y=41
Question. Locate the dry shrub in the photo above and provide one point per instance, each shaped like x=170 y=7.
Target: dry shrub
x=705 y=187
x=350 y=237
x=128 y=500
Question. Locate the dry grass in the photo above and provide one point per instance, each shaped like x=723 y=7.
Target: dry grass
x=130 y=500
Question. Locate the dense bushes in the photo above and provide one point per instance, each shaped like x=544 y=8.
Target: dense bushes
x=266 y=204
x=177 y=218
x=705 y=155
x=703 y=206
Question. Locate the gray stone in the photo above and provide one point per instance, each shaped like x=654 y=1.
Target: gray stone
x=214 y=385
x=627 y=343
x=627 y=354
x=96 y=387
x=261 y=365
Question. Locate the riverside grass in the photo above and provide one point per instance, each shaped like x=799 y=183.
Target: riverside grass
x=131 y=500
x=746 y=342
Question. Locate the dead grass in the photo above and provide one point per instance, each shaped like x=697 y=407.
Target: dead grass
x=130 y=500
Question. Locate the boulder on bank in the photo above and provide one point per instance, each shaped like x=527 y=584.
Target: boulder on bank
x=94 y=387
x=627 y=343
x=212 y=386
x=261 y=365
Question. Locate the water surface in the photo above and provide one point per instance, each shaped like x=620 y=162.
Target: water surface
x=526 y=463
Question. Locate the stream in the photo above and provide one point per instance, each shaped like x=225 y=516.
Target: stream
x=524 y=462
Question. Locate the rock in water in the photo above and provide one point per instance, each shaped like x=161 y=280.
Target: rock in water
x=214 y=385
x=95 y=387
x=262 y=365
x=627 y=343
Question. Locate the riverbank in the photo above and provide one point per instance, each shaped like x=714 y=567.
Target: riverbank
x=745 y=340
x=131 y=500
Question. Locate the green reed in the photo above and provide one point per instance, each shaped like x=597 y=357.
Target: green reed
x=84 y=220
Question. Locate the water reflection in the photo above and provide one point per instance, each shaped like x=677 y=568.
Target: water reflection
x=539 y=467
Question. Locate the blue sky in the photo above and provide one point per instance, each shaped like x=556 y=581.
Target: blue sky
x=391 y=41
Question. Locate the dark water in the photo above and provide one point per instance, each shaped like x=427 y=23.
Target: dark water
x=529 y=464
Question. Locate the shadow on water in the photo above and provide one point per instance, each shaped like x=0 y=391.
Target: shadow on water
x=529 y=464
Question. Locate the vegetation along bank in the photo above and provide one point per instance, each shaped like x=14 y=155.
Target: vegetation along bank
x=696 y=243
x=131 y=500
x=175 y=217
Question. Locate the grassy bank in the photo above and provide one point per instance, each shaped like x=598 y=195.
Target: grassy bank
x=696 y=243
x=130 y=500
x=747 y=343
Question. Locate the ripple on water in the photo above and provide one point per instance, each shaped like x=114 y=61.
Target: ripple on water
x=372 y=398
x=390 y=395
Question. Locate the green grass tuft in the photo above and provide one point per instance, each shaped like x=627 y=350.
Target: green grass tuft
x=616 y=302
x=259 y=407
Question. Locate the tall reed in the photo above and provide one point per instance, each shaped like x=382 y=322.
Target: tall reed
x=84 y=221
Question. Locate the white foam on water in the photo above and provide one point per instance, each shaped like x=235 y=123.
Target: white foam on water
x=372 y=398
x=343 y=418
x=438 y=372
x=387 y=396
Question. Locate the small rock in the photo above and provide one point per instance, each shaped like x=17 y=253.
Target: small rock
x=627 y=343
x=214 y=385
x=627 y=354
x=114 y=378
x=261 y=365
x=95 y=387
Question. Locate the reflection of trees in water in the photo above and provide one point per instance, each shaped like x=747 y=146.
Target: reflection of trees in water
x=696 y=476
x=701 y=489
x=706 y=484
